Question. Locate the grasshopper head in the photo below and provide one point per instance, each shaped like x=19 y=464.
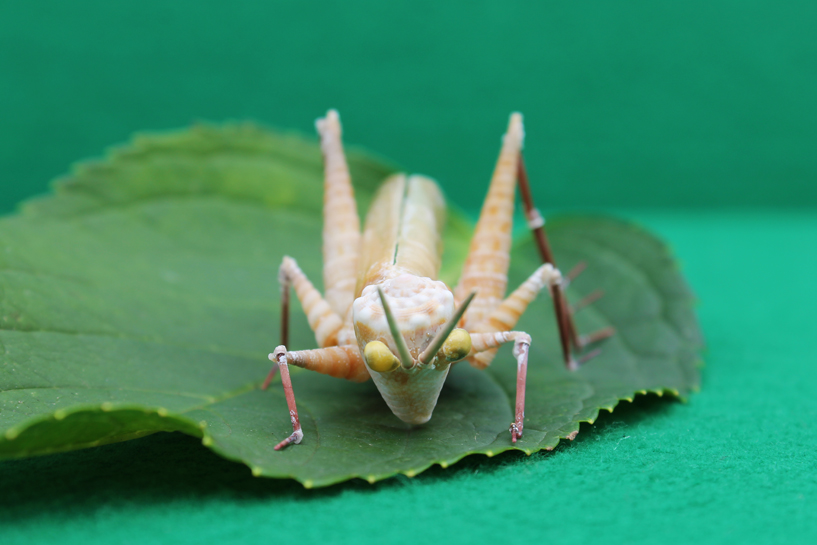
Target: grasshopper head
x=420 y=308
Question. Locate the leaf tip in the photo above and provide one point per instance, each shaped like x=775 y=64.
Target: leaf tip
x=410 y=473
x=256 y=471
x=161 y=411
x=309 y=483
x=107 y=406
x=12 y=434
x=489 y=453
x=371 y=479
x=60 y=414
x=207 y=441
x=444 y=464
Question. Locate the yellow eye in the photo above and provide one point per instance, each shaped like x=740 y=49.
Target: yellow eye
x=456 y=346
x=380 y=358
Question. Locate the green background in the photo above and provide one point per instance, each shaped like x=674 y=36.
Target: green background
x=697 y=119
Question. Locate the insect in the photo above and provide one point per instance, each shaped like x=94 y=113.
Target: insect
x=385 y=316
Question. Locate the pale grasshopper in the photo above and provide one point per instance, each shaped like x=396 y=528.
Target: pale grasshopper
x=385 y=316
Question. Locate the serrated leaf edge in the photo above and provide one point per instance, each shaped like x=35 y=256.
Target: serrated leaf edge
x=186 y=425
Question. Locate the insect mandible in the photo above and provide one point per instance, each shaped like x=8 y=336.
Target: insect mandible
x=385 y=315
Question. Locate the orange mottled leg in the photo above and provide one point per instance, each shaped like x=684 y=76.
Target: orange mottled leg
x=337 y=361
x=507 y=314
x=486 y=267
x=341 y=224
x=322 y=319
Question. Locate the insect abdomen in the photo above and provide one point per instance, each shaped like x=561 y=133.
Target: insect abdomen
x=402 y=231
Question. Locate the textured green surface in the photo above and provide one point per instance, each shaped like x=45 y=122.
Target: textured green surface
x=734 y=465
x=638 y=103
x=141 y=297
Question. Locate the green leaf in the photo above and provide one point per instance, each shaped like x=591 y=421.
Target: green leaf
x=142 y=296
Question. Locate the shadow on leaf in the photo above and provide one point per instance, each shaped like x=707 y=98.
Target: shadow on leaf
x=167 y=468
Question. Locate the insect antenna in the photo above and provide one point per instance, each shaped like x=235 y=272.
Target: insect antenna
x=402 y=348
x=429 y=353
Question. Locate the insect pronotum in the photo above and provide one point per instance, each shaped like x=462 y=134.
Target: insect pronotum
x=385 y=315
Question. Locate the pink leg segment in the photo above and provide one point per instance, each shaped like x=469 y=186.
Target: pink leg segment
x=270 y=376
x=284 y=329
x=480 y=342
x=520 y=350
x=280 y=357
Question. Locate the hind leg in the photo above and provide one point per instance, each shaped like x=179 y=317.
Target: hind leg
x=341 y=224
x=486 y=268
x=568 y=333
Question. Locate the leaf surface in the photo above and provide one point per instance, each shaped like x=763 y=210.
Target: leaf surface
x=142 y=296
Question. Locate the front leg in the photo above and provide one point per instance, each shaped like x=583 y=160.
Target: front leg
x=279 y=356
x=521 y=348
x=344 y=362
x=481 y=342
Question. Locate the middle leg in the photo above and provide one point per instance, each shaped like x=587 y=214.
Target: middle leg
x=322 y=319
x=507 y=314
